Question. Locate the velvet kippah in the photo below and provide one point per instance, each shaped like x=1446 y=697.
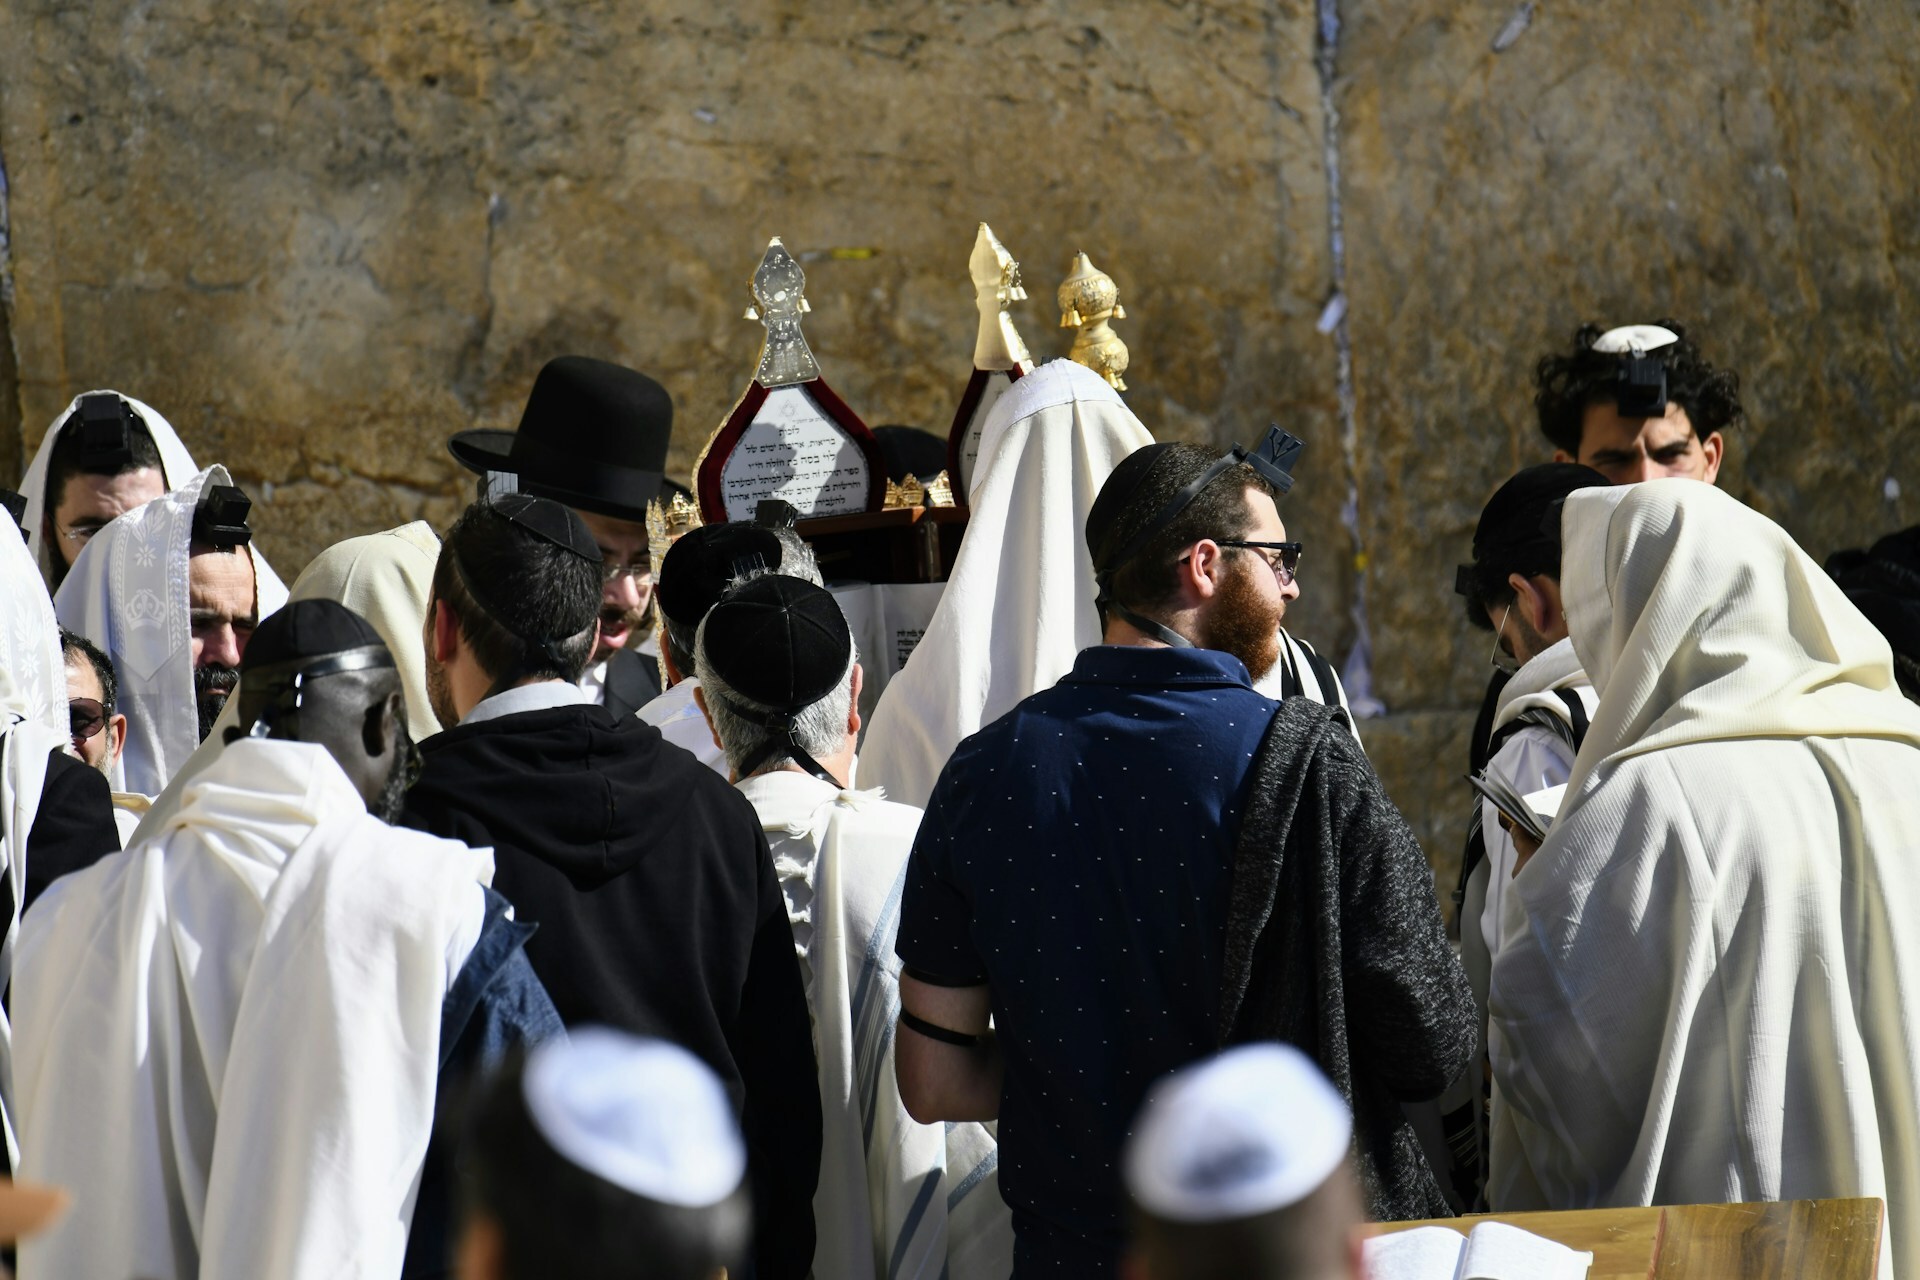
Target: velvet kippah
x=1511 y=523
x=782 y=642
x=703 y=562
x=1114 y=496
x=307 y=629
x=549 y=521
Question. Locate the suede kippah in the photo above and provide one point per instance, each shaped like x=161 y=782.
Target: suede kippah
x=700 y=565
x=1122 y=482
x=308 y=629
x=780 y=641
x=549 y=521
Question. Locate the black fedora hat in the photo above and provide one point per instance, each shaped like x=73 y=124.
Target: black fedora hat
x=593 y=436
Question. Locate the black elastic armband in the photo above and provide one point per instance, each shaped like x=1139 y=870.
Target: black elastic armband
x=933 y=1032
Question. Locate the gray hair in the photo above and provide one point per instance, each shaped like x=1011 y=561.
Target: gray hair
x=820 y=729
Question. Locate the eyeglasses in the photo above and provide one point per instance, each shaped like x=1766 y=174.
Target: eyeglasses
x=611 y=569
x=85 y=718
x=1281 y=557
x=80 y=533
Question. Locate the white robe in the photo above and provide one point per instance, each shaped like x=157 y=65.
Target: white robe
x=1018 y=607
x=384 y=577
x=1714 y=994
x=229 y=1036
x=176 y=468
x=33 y=724
x=896 y=1199
x=128 y=594
x=681 y=721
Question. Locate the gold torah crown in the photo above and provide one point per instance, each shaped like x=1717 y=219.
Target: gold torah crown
x=1088 y=300
x=666 y=520
x=779 y=294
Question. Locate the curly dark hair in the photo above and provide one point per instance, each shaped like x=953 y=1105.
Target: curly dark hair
x=1566 y=386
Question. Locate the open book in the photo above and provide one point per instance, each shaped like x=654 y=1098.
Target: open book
x=1532 y=813
x=1495 y=1251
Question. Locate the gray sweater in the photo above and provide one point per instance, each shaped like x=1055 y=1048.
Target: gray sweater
x=1335 y=944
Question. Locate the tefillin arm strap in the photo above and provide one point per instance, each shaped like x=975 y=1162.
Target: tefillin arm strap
x=781 y=724
x=1274 y=458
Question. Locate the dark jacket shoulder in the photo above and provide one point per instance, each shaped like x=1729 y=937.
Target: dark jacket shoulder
x=73 y=828
x=633 y=680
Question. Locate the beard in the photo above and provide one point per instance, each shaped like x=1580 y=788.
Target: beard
x=392 y=800
x=440 y=695
x=212 y=686
x=1244 y=623
x=635 y=622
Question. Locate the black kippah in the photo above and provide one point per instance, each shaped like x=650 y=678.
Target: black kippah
x=1516 y=524
x=1114 y=497
x=782 y=642
x=310 y=629
x=700 y=565
x=549 y=521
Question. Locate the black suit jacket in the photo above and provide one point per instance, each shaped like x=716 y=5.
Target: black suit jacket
x=633 y=680
x=74 y=827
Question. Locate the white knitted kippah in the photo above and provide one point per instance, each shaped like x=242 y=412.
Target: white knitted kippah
x=1252 y=1130
x=645 y=1115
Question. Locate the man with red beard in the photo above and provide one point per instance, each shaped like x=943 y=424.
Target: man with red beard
x=594 y=437
x=1151 y=859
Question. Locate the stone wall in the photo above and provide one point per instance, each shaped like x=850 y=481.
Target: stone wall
x=321 y=238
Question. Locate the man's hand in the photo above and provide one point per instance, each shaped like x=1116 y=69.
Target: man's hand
x=1524 y=845
x=941 y=1081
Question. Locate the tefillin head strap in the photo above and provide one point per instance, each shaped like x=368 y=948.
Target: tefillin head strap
x=1273 y=458
x=781 y=723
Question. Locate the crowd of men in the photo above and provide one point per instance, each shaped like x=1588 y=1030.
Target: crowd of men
x=523 y=900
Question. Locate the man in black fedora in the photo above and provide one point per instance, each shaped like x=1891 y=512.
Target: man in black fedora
x=594 y=437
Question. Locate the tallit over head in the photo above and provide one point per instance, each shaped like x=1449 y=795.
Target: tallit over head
x=33 y=723
x=128 y=594
x=176 y=467
x=384 y=577
x=1699 y=619
x=1019 y=604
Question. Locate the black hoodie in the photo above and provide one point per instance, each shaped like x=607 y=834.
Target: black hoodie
x=659 y=913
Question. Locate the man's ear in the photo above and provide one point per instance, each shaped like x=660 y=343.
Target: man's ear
x=853 y=704
x=116 y=736
x=674 y=674
x=377 y=730
x=700 y=701
x=1561 y=455
x=445 y=639
x=1204 y=570
x=1533 y=606
x=1714 y=446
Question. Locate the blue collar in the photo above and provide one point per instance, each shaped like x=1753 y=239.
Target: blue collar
x=1137 y=665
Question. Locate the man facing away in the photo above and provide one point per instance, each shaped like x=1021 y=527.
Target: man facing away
x=594 y=436
x=1237 y=1170
x=232 y=1035
x=1711 y=992
x=694 y=574
x=780 y=681
x=658 y=906
x=604 y=1155
x=1149 y=860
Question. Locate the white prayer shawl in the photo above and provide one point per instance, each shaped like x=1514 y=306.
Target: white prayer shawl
x=1018 y=607
x=176 y=468
x=896 y=1199
x=128 y=594
x=230 y=1035
x=33 y=723
x=1715 y=991
x=384 y=577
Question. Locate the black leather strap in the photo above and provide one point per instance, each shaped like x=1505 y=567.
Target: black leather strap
x=933 y=1031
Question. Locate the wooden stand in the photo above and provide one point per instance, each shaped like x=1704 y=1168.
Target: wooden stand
x=905 y=544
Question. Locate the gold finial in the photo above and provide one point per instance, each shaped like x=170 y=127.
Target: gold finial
x=666 y=521
x=1088 y=300
x=908 y=493
x=940 y=491
x=778 y=292
x=996 y=285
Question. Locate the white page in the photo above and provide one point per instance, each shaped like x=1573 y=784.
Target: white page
x=1419 y=1253
x=1496 y=1251
x=1546 y=802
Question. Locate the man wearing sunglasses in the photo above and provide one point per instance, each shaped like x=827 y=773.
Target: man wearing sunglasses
x=99 y=730
x=1149 y=859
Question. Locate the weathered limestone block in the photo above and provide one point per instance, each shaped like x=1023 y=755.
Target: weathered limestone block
x=1748 y=169
x=323 y=238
